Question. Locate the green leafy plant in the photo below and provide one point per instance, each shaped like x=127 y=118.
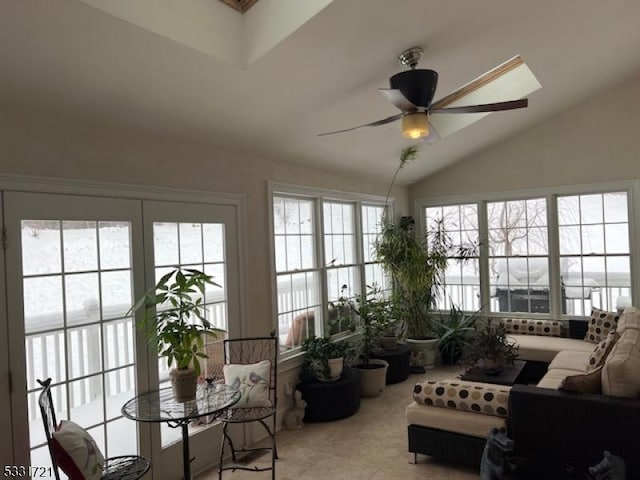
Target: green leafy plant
x=174 y=317
x=341 y=316
x=318 y=352
x=491 y=344
x=453 y=330
x=374 y=311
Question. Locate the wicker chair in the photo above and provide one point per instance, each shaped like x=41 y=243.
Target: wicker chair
x=247 y=351
x=129 y=467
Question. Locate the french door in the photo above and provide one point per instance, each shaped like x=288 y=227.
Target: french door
x=74 y=265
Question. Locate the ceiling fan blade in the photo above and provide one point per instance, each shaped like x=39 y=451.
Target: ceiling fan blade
x=372 y=124
x=487 y=107
x=433 y=136
x=396 y=97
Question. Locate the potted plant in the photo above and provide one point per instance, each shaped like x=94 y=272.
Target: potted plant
x=341 y=317
x=490 y=348
x=374 y=312
x=453 y=331
x=176 y=327
x=324 y=359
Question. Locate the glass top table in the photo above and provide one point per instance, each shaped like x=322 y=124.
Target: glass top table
x=212 y=399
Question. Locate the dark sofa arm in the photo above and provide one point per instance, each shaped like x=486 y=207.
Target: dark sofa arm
x=573 y=429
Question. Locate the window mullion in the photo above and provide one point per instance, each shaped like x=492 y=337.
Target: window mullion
x=321 y=264
x=483 y=235
x=555 y=280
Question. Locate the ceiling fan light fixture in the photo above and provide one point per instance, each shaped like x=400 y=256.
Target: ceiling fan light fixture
x=415 y=125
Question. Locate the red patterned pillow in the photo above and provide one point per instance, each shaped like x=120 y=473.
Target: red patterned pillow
x=76 y=452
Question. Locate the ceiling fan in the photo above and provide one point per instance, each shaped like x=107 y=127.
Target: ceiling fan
x=412 y=92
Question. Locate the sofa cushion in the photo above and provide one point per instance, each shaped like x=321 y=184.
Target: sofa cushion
x=524 y=326
x=570 y=360
x=465 y=423
x=630 y=319
x=475 y=397
x=544 y=349
x=553 y=378
x=621 y=370
x=584 y=382
x=600 y=324
x=602 y=350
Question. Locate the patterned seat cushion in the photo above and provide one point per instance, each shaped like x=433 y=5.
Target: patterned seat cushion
x=602 y=350
x=549 y=328
x=600 y=324
x=467 y=396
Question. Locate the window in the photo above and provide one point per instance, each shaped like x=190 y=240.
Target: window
x=462 y=278
x=518 y=255
x=297 y=273
x=594 y=251
x=583 y=237
x=323 y=257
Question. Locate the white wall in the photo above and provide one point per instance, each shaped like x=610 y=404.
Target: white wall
x=597 y=141
x=40 y=145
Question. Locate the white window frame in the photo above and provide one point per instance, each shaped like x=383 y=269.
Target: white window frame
x=632 y=188
x=319 y=195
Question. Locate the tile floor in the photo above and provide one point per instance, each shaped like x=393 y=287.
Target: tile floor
x=371 y=445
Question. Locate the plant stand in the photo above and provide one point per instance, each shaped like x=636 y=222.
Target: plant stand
x=328 y=401
x=398 y=361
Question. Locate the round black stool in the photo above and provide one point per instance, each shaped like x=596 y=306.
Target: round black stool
x=331 y=400
x=398 y=361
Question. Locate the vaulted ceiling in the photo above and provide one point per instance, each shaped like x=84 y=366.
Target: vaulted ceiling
x=267 y=81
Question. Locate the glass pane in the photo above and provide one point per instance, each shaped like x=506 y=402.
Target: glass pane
x=190 y=243
x=278 y=215
x=117 y=296
x=337 y=219
x=617 y=238
x=281 y=253
x=591 y=208
x=98 y=435
x=569 y=210
x=517 y=242
x=308 y=254
x=338 y=250
x=592 y=239
x=122 y=437
x=330 y=257
x=115 y=245
x=497 y=242
x=537 y=241
x=86 y=402
x=213 y=239
x=537 y=212
x=165 y=243
x=539 y=271
x=120 y=387
x=43 y=307
x=292 y=216
x=80 y=246
x=516 y=213
x=433 y=214
x=84 y=351
x=594 y=271
x=41 y=250
x=118 y=337
x=570 y=240
x=306 y=217
x=469 y=217
x=615 y=207
x=471 y=272
x=518 y=272
x=293 y=253
x=453 y=274
x=451 y=216
x=82 y=296
x=45 y=357
x=347 y=219
x=571 y=268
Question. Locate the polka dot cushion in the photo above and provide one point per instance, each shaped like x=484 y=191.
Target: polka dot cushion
x=549 y=328
x=600 y=353
x=600 y=324
x=467 y=396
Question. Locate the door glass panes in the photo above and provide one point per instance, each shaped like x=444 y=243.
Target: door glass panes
x=462 y=277
x=594 y=252
x=200 y=246
x=77 y=290
x=297 y=274
x=518 y=256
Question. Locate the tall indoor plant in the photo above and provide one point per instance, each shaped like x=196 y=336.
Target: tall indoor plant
x=175 y=325
x=416 y=263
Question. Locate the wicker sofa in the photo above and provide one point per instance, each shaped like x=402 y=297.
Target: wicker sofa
x=550 y=427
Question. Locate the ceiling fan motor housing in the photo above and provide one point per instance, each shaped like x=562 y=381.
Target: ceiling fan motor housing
x=418 y=86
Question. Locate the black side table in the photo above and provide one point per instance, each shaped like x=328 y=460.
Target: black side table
x=398 y=361
x=331 y=400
